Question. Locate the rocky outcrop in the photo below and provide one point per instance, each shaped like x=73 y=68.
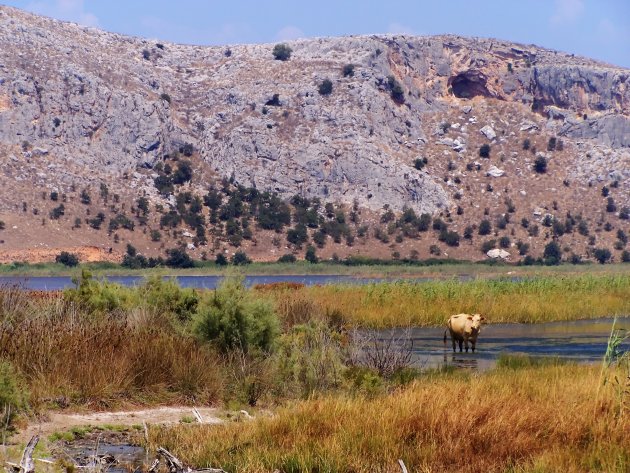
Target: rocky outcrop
x=114 y=105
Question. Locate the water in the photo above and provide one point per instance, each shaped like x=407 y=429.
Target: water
x=53 y=283
x=112 y=456
x=582 y=341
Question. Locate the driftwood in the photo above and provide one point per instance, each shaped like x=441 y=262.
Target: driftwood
x=197 y=415
x=402 y=466
x=27 y=465
x=176 y=466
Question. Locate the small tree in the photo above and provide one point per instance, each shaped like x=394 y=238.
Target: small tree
x=240 y=258
x=602 y=255
x=397 y=92
x=540 y=165
x=348 y=70
x=552 y=254
x=484 y=150
x=178 y=258
x=67 y=259
x=311 y=255
x=282 y=52
x=221 y=260
x=326 y=87
x=485 y=227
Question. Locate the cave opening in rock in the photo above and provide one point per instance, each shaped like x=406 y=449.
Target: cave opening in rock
x=468 y=85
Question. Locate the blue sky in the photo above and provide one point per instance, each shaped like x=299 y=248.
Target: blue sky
x=596 y=28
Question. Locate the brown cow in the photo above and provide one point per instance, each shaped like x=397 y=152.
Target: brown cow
x=464 y=327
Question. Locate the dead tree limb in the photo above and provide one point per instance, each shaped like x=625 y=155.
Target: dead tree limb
x=176 y=466
x=27 y=465
x=197 y=415
x=402 y=466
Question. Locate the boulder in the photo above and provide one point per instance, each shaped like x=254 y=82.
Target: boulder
x=498 y=253
x=495 y=172
x=488 y=132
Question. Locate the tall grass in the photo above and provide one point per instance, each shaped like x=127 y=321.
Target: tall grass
x=531 y=419
x=406 y=303
x=68 y=355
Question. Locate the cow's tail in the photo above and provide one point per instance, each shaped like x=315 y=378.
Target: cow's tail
x=445 y=336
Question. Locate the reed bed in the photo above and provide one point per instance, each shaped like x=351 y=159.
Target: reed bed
x=527 y=420
x=408 y=303
x=66 y=355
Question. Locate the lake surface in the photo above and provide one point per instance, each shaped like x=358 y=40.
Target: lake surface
x=583 y=341
x=53 y=283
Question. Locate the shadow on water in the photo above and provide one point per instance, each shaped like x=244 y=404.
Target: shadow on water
x=581 y=341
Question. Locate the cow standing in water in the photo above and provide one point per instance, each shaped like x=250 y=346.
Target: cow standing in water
x=464 y=328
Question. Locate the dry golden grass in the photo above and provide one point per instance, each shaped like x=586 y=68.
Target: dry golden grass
x=543 y=419
x=407 y=303
x=68 y=356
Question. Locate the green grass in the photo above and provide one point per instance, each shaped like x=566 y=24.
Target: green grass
x=431 y=268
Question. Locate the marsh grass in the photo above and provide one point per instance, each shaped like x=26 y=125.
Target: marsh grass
x=68 y=355
x=407 y=303
x=542 y=418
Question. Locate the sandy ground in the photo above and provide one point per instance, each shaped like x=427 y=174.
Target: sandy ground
x=59 y=421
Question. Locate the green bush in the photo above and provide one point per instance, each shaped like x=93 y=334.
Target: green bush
x=240 y=258
x=553 y=254
x=540 y=165
x=396 y=90
x=326 y=87
x=311 y=255
x=67 y=259
x=282 y=52
x=602 y=255
x=485 y=227
x=348 y=70
x=288 y=258
x=484 y=150
x=178 y=258
x=234 y=320
x=13 y=396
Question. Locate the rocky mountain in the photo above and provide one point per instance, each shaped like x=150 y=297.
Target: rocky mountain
x=364 y=122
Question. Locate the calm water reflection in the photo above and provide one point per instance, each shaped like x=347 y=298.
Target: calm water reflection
x=583 y=341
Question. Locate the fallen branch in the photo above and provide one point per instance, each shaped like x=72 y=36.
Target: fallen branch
x=197 y=415
x=176 y=466
x=402 y=466
x=27 y=465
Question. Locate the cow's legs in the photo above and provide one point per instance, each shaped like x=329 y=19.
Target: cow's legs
x=473 y=347
x=466 y=344
x=461 y=343
x=454 y=344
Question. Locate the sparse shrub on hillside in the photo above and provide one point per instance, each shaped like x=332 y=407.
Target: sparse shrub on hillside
x=488 y=245
x=297 y=236
x=221 y=260
x=282 y=52
x=622 y=236
x=67 y=259
x=85 y=197
x=583 y=228
x=524 y=222
x=178 y=258
x=287 y=258
x=605 y=191
x=155 y=235
x=625 y=256
x=348 y=70
x=183 y=173
x=551 y=144
x=311 y=254
x=435 y=250
x=396 y=90
x=504 y=242
x=540 y=165
x=274 y=101
x=484 y=150
x=146 y=54
x=451 y=238
x=240 y=258
x=502 y=222
x=419 y=163
x=610 y=205
x=469 y=232
x=602 y=255
x=165 y=97
x=326 y=87
x=624 y=213
x=485 y=227
x=523 y=248
x=526 y=144
x=57 y=212
x=54 y=196
x=552 y=254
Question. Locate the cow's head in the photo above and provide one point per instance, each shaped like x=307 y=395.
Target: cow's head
x=475 y=321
